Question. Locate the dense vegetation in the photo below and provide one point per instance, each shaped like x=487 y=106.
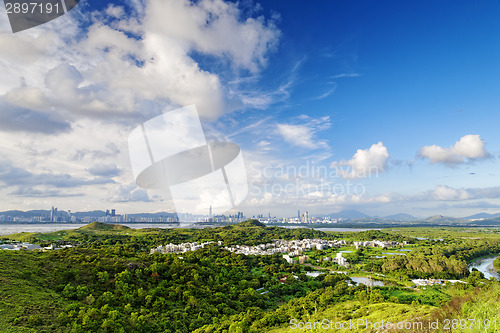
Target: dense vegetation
x=109 y=282
x=496 y=264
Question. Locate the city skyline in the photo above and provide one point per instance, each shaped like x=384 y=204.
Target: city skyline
x=112 y=216
x=384 y=108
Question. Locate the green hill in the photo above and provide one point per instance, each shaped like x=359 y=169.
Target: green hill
x=251 y=223
x=103 y=227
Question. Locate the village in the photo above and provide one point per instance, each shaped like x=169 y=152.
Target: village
x=15 y=246
x=293 y=251
x=289 y=248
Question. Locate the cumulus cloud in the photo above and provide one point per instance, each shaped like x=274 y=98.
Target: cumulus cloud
x=468 y=148
x=445 y=193
x=87 y=78
x=122 y=64
x=215 y=27
x=130 y=193
x=364 y=163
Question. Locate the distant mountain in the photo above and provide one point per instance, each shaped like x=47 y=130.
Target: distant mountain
x=441 y=219
x=401 y=217
x=348 y=214
x=482 y=216
x=29 y=213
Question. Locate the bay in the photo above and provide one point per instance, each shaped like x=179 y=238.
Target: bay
x=7 y=229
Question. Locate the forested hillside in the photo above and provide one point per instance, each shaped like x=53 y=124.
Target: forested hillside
x=109 y=282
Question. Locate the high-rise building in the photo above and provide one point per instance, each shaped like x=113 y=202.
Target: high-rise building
x=113 y=212
x=53 y=214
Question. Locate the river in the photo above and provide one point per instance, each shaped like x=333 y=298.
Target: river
x=485 y=265
x=367 y=281
x=7 y=229
x=13 y=228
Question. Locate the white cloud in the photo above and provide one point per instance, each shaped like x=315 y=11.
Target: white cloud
x=76 y=86
x=445 y=193
x=121 y=62
x=130 y=193
x=264 y=145
x=364 y=163
x=338 y=76
x=326 y=94
x=469 y=147
x=298 y=135
x=304 y=135
x=115 y=11
x=214 y=27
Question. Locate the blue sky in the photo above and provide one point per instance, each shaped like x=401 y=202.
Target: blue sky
x=405 y=94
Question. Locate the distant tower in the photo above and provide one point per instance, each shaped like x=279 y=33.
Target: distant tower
x=306 y=217
x=107 y=212
x=113 y=212
x=298 y=214
x=52 y=214
x=210 y=212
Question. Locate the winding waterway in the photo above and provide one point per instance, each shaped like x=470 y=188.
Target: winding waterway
x=485 y=265
x=367 y=281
